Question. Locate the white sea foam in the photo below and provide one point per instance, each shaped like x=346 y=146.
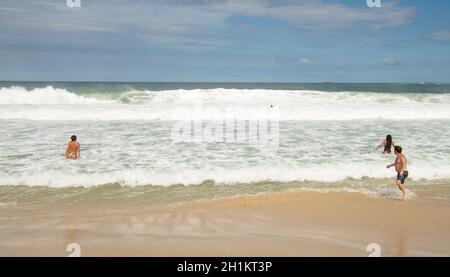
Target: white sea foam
x=215 y=104
x=123 y=143
x=170 y=176
x=41 y=96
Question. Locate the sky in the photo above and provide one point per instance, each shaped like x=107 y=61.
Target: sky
x=297 y=41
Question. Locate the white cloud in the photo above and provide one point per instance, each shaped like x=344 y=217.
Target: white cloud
x=184 y=16
x=305 y=61
x=166 y=22
x=442 y=35
x=113 y=15
x=185 y=41
x=72 y=25
x=389 y=61
x=174 y=19
x=314 y=15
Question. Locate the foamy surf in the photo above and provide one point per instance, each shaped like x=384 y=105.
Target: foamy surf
x=42 y=96
x=71 y=175
x=51 y=103
x=324 y=140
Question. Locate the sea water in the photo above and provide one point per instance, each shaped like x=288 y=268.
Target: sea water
x=322 y=137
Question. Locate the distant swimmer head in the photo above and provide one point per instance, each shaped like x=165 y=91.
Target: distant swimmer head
x=73 y=138
x=398 y=149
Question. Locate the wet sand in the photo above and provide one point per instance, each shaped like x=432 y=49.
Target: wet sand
x=275 y=224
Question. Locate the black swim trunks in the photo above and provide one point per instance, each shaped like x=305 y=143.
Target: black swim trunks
x=403 y=177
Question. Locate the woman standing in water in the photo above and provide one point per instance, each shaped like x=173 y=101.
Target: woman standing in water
x=387 y=144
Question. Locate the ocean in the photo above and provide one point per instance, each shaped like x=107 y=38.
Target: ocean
x=166 y=143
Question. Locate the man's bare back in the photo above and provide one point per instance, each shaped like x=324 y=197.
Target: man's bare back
x=73 y=149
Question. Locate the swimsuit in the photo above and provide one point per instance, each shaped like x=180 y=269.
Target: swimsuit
x=402 y=178
x=387 y=148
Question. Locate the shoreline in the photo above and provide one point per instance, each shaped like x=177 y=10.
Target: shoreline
x=296 y=223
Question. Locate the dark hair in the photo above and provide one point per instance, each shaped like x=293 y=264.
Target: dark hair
x=389 y=139
x=398 y=149
x=73 y=138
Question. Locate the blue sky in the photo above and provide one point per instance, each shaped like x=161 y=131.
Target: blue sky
x=225 y=40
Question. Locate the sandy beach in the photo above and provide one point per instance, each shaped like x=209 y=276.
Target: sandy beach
x=297 y=223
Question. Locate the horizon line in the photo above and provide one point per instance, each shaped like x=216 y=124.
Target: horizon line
x=224 y=82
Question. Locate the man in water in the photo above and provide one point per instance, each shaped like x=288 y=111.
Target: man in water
x=73 y=149
x=402 y=171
